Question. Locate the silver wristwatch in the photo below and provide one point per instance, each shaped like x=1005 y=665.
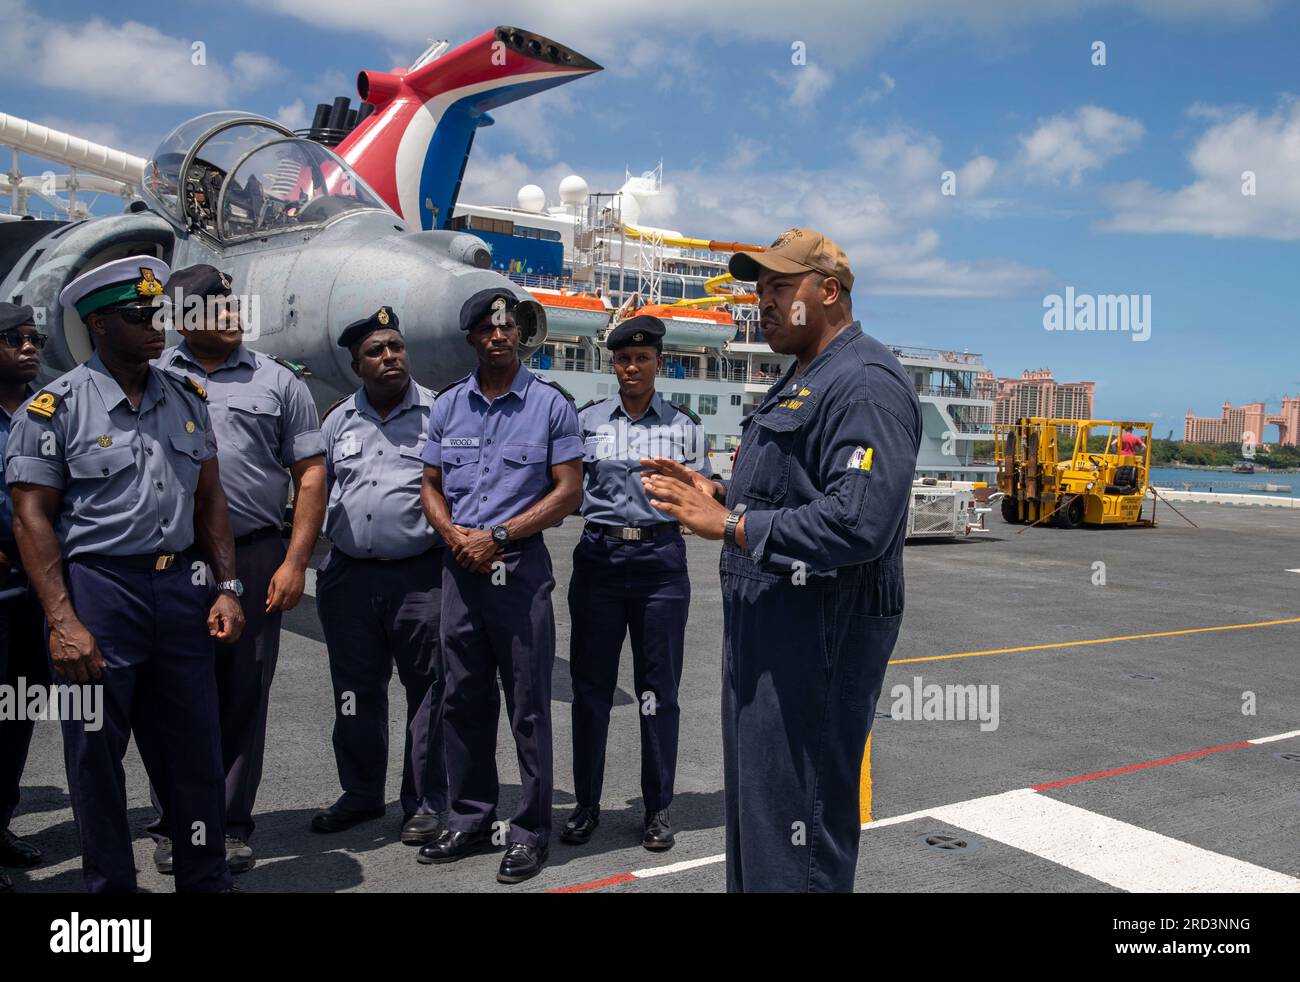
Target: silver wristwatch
x=729 y=530
x=234 y=586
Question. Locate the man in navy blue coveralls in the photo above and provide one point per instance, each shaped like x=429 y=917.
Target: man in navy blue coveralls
x=812 y=570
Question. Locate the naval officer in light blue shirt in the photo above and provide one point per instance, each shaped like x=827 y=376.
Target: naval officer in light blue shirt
x=268 y=433
x=113 y=469
x=630 y=578
x=503 y=462
x=379 y=592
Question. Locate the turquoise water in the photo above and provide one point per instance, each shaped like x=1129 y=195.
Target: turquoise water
x=1224 y=481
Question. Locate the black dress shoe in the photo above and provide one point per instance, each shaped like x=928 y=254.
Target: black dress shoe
x=17 y=853
x=418 y=830
x=658 y=831
x=581 y=824
x=521 y=863
x=451 y=846
x=6 y=884
x=336 y=819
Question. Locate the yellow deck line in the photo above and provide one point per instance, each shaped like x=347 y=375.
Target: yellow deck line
x=1073 y=644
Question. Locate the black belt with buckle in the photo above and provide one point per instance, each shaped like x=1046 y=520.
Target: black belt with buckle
x=250 y=537
x=634 y=533
x=158 y=562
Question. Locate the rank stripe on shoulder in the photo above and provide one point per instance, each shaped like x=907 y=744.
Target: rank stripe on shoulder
x=182 y=378
x=44 y=404
x=558 y=387
x=685 y=411
x=450 y=386
x=298 y=370
x=333 y=406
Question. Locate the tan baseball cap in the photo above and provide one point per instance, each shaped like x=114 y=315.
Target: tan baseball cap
x=795 y=251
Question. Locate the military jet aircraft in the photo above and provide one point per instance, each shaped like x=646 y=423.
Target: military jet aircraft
x=313 y=238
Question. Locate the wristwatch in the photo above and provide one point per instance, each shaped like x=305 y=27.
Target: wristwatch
x=233 y=586
x=500 y=534
x=729 y=530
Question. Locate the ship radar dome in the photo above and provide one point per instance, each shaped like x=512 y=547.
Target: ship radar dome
x=573 y=190
x=531 y=198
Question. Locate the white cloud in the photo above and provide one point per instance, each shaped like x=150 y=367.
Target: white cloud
x=128 y=62
x=975 y=175
x=294 y=116
x=534 y=124
x=804 y=83
x=1067 y=146
x=836 y=31
x=1213 y=203
x=872 y=96
x=879 y=203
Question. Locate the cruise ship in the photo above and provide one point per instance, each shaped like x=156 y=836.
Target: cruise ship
x=591 y=262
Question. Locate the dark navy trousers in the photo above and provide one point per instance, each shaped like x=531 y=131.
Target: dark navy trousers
x=802 y=670
x=377 y=614
x=504 y=628
x=22 y=658
x=244 y=673
x=618 y=589
x=159 y=685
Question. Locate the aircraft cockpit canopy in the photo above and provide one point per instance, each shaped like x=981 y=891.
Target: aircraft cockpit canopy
x=233 y=175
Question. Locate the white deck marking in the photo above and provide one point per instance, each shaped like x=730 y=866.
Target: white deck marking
x=1279 y=736
x=1106 y=849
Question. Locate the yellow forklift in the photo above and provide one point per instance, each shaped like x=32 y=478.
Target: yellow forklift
x=1046 y=473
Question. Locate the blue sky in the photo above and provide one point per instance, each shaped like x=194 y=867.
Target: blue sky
x=1122 y=178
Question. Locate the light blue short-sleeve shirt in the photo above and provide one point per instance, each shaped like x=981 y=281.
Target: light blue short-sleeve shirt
x=613 y=446
x=265 y=421
x=127 y=473
x=496 y=457
x=374 y=471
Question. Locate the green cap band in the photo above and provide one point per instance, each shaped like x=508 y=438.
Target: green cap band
x=108 y=295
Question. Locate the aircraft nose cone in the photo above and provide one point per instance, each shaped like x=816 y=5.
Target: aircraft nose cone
x=426 y=277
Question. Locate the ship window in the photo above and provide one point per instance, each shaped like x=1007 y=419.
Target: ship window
x=735 y=400
x=681 y=398
x=708 y=405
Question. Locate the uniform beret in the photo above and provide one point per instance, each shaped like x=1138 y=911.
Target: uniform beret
x=381 y=320
x=642 y=329
x=135 y=278
x=12 y=315
x=197 y=281
x=480 y=304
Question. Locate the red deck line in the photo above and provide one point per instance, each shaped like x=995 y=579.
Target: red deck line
x=1052 y=785
x=608 y=881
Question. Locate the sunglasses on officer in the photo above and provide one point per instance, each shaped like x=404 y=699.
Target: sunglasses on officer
x=140 y=314
x=14 y=339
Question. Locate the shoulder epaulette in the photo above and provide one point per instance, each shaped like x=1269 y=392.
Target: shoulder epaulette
x=451 y=385
x=685 y=411
x=299 y=371
x=588 y=405
x=44 y=404
x=333 y=406
x=180 y=378
x=557 y=387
